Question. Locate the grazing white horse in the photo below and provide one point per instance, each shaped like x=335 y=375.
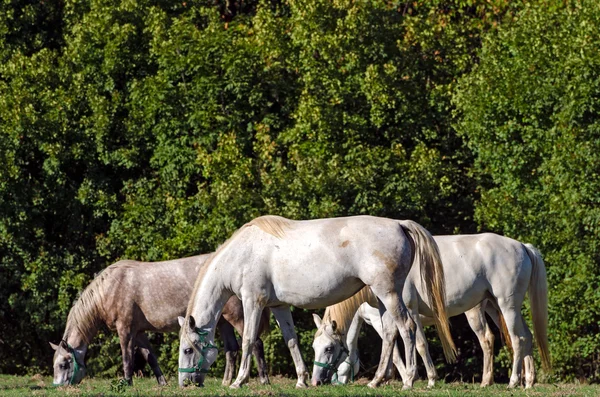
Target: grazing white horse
x=275 y=262
x=482 y=267
x=366 y=313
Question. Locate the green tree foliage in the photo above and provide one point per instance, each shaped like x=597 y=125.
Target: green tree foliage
x=152 y=129
x=529 y=112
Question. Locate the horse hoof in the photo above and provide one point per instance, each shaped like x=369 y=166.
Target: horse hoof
x=265 y=381
x=235 y=385
x=162 y=381
x=407 y=387
x=301 y=385
x=373 y=385
x=430 y=384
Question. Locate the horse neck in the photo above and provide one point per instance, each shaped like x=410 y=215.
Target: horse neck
x=76 y=340
x=352 y=335
x=343 y=312
x=208 y=300
x=83 y=323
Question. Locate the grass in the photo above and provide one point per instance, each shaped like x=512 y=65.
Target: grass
x=42 y=386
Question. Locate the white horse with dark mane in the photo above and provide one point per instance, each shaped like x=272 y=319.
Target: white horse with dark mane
x=275 y=262
x=484 y=273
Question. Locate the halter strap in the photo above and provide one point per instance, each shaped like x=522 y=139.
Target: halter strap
x=336 y=363
x=198 y=367
x=351 y=364
x=76 y=365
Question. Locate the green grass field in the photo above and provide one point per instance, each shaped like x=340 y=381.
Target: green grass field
x=42 y=386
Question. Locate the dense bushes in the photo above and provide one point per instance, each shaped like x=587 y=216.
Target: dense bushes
x=152 y=129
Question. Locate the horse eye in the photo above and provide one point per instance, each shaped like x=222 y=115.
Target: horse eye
x=329 y=349
x=63 y=366
x=188 y=350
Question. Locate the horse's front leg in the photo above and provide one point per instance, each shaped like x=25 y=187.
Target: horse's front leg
x=231 y=348
x=283 y=315
x=144 y=345
x=374 y=319
x=388 y=333
x=252 y=313
x=396 y=318
x=126 y=340
x=423 y=349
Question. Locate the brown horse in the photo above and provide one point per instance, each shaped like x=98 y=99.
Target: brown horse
x=133 y=297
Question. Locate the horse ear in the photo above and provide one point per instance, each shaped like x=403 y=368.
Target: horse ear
x=181 y=321
x=53 y=346
x=317 y=320
x=64 y=345
x=333 y=325
x=192 y=323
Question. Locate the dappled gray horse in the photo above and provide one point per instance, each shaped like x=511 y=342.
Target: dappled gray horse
x=276 y=262
x=133 y=297
x=488 y=268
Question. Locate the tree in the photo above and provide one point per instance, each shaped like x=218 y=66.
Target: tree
x=529 y=113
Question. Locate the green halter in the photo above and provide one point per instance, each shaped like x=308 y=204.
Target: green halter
x=351 y=364
x=336 y=363
x=198 y=367
x=76 y=366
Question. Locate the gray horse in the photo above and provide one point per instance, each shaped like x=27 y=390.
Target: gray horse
x=134 y=297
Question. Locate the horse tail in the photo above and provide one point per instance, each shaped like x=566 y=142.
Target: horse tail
x=432 y=276
x=538 y=299
x=504 y=331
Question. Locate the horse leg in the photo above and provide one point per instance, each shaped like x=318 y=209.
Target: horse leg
x=283 y=315
x=516 y=328
x=479 y=325
x=144 y=346
x=423 y=349
x=126 y=340
x=528 y=359
x=252 y=312
x=397 y=359
x=231 y=348
x=396 y=317
x=374 y=319
x=261 y=364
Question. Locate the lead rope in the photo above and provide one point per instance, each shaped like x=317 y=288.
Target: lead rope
x=198 y=367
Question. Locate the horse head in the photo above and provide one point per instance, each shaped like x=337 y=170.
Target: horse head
x=69 y=368
x=330 y=351
x=197 y=352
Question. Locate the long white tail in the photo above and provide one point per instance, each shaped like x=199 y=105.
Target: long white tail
x=432 y=276
x=538 y=298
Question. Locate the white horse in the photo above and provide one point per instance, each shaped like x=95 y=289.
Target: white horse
x=275 y=262
x=366 y=313
x=478 y=267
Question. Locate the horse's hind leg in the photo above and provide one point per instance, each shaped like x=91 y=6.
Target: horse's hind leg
x=286 y=323
x=252 y=313
x=144 y=346
x=395 y=316
x=519 y=335
x=528 y=359
x=261 y=364
x=231 y=348
x=479 y=325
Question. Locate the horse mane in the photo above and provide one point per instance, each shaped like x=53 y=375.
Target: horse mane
x=272 y=224
x=343 y=313
x=86 y=314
